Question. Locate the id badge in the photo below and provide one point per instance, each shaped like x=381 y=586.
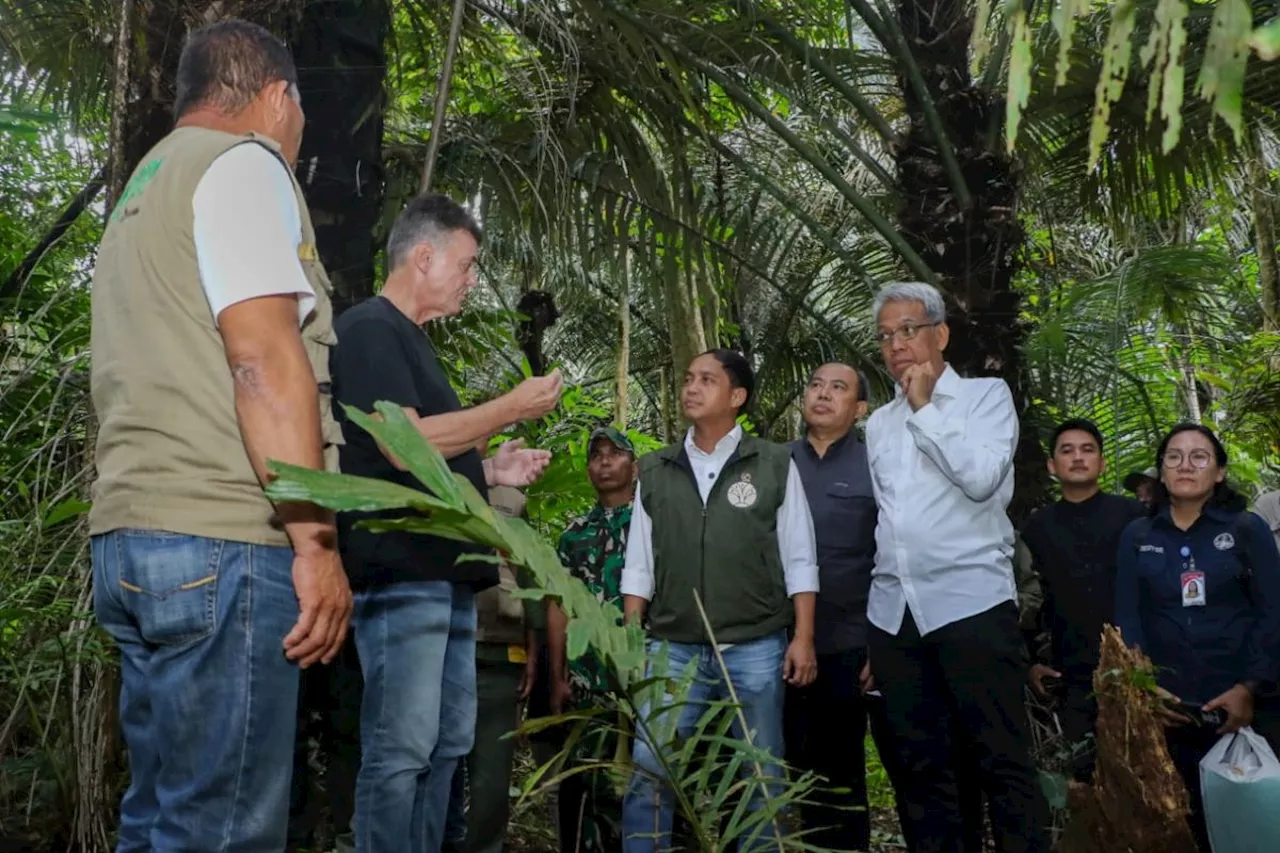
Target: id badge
x=1193 y=589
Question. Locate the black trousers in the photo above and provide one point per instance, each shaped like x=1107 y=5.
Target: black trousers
x=328 y=712
x=968 y=674
x=825 y=726
x=1077 y=711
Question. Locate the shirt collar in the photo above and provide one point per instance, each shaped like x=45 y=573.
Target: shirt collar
x=725 y=445
x=948 y=384
x=600 y=512
x=1212 y=512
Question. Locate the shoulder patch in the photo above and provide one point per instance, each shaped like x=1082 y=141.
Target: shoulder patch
x=136 y=186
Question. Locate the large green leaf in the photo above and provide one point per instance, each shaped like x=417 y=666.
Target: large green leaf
x=344 y=492
x=396 y=433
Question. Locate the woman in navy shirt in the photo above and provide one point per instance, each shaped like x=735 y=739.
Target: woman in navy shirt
x=1198 y=589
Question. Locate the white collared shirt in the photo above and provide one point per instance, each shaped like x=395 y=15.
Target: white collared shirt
x=796 y=544
x=943 y=478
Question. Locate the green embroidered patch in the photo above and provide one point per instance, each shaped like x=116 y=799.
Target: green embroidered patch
x=135 y=187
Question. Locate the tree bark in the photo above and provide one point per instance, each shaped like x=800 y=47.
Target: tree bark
x=974 y=249
x=622 y=392
x=340 y=51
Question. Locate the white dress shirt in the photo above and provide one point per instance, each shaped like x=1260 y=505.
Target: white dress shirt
x=943 y=478
x=796 y=543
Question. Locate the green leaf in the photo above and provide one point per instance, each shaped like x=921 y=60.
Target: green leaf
x=343 y=492
x=1222 y=72
x=578 y=638
x=1019 y=76
x=1115 y=70
x=1064 y=17
x=444 y=523
x=1163 y=53
x=397 y=434
x=1265 y=40
x=64 y=511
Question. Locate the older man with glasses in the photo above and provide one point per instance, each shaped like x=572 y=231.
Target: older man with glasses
x=944 y=642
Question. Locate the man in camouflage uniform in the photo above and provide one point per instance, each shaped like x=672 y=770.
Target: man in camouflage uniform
x=593 y=549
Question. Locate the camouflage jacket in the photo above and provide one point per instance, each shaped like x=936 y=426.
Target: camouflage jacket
x=593 y=549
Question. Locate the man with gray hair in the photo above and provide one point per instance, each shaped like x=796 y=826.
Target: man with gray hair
x=415 y=614
x=944 y=642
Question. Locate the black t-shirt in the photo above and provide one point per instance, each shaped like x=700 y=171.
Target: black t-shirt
x=1073 y=549
x=382 y=355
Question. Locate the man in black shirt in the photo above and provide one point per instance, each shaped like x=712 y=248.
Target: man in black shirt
x=415 y=617
x=1073 y=545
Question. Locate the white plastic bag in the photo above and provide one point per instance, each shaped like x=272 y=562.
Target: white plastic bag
x=1240 y=783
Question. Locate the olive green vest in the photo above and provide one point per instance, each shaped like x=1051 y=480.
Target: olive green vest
x=169 y=452
x=727 y=550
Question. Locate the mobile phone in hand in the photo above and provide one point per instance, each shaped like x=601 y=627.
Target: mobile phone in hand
x=1201 y=718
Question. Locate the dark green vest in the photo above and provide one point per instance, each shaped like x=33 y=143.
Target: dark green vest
x=727 y=550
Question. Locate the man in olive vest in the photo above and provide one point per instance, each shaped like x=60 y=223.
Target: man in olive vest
x=211 y=330
x=723 y=514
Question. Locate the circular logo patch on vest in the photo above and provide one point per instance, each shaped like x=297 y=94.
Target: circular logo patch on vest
x=1224 y=541
x=742 y=494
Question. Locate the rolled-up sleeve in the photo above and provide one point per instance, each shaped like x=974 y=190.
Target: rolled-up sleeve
x=797 y=545
x=637 y=571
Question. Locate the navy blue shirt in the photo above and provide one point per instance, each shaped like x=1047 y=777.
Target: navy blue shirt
x=1201 y=651
x=838 y=487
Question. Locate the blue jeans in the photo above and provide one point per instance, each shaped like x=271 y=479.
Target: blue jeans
x=417 y=646
x=755 y=668
x=208 y=702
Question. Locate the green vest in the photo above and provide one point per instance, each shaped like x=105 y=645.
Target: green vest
x=727 y=550
x=169 y=452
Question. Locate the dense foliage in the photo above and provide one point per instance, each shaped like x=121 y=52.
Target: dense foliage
x=655 y=177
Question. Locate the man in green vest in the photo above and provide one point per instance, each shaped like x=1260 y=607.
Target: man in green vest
x=722 y=518
x=211 y=331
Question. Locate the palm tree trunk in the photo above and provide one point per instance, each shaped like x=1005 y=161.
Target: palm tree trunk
x=973 y=249
x=622 y=393
x=339 y=47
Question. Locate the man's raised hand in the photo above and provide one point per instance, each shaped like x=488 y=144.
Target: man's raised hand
x=516 y=465
x=538 y=395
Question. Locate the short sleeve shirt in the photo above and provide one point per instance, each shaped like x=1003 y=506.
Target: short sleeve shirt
x=382 y=355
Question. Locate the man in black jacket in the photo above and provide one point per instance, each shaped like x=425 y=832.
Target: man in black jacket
x=1073 y=548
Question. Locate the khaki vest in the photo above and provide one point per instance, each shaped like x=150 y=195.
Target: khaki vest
x=169 y=453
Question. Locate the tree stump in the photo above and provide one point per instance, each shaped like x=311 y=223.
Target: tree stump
x=1137 y=802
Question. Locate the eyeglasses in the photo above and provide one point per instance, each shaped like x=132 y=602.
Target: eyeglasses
x=1197 y=458
x=905 y=332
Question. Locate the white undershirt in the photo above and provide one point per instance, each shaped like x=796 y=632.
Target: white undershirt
x=247 y=230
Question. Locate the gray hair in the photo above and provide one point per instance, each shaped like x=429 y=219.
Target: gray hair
x=428 y=218
x=911 y=291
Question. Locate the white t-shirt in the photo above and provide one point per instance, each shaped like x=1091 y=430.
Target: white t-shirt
x=247 y=231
